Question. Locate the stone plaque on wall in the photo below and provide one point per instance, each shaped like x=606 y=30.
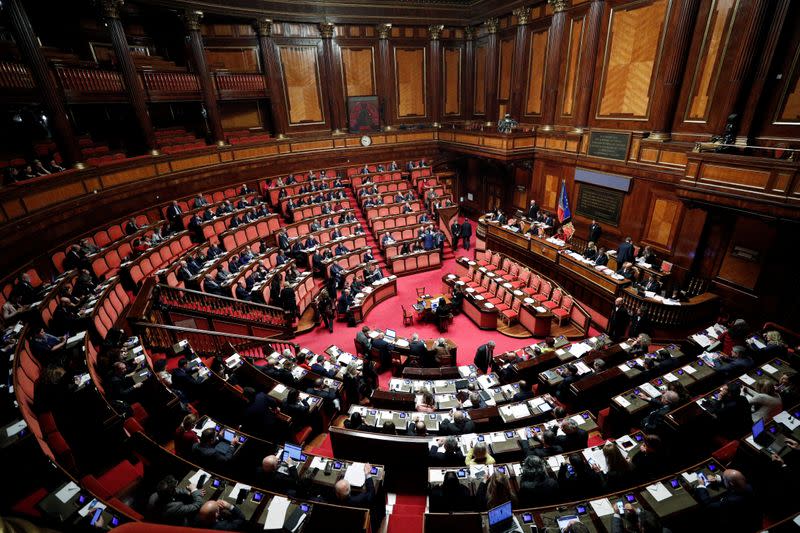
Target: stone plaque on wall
x=609 y=145
x=600 y=203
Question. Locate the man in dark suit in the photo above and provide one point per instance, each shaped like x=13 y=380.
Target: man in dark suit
x=420 y=351
x=259 y=417
x=212 y=451
x=283 y=241
x=731 y=411
x=460 y=425
x=602 y=257
x=451 y=456
x=737 y=509
x=365 y=499
x=383 y=348
x=183 y=274
x=625 y=252
x=183 y=379
x=574 y=438
x=594 y=232
x=549 y=445
x=618 y=321
x=466 y=233
x=175 y=216
x=652 y=285
x=278 y=476
x=483 y=356
x=241 y=291
x=455 y=230
x=639 y=322
x=525 y=392
x=288 y=301
x=533 y=210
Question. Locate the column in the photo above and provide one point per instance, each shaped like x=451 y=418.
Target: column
x=272 y=74
x=469 y=72
x=385 y=69
x=435 y=85
x=195 y=39
x=754 y=93
x=583 y=98
x=491 y=72
x=52 y=101
x=553 y=63
x=127 y=68
x=669 y=82
x=520 y=68
x=333 y=78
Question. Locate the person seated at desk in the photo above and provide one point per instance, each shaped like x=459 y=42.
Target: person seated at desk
x=640 y=345
x=569 y=375
x=451 y=496
x=651 y=460
x=372 y=274
x=260 y=415
x=737 y=510
x=495 y=491
x=428 y=402
x=549 y=445
x=416 y=428
x=355 y=421
x=577 y=479
x=387 y=240
x=525 y=393
x=220 y=515
x=120 y=386
x=293 y=406
x=765 y=403
x=45 y=347
x=627 y=271
x=173 y=505
x=341 y=249
x=183 y=379
x=652 y=284
x=620 y=471
x=654 y=421
x=591 y=251
x=281 y=258
x=279 y=476
x=329 y=398
x=185 y=437
x=460 y=425
x=636 y=521
x=574 y=438
x=292 y=274
x=736 y=363
x=731 y=410
x=212 y=451
x=479 y=455
x=646 y=255
x=536 y=487
x=602 y=257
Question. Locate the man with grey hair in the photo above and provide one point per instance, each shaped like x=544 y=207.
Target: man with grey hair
x=364 y=499
x=446 y=451
x=737 y=363
x=460 y=424
x=574 y=438
x=418 y=350
x=654 y=421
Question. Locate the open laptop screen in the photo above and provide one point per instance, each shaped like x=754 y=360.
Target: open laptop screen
x=293 y=451
x=391 y=333
x=500 y=514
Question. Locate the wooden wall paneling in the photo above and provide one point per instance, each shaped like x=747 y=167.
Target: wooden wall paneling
x=452 y=85
x=300 y=66
x=239 y=115
x=536 y=73
x=633 y=45
x=358 y=70
x=571 y=64
x=233 y=58
x=750 y=236
x=410 y=74
x=479 y=87
x=663 y=223
x=780 y=111
x=505 y=65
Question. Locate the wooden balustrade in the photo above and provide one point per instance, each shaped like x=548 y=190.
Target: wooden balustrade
x=171 y=85
x=15 y=77
x=240 y=85
x=85 y=83
x=699 y=309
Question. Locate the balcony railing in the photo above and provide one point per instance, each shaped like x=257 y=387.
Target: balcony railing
x=240 y=85
x=90 y=84
x=171 y=85
x=15 y=77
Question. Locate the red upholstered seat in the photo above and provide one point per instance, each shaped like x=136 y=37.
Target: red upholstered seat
x=300 y=437
x=554 y=301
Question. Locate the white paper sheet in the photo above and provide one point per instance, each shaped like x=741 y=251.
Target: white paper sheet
x=690 y=477
x=787 y=420
x=67 y=491
x=355 y=474
x=624 y=367
x=669 y=376
x=769 y=368
x=276 y=513
x=16 y=427
x=650 y=390
x=602 y=507
x=622 y=401
x=197 y=475
x=689 y=369
x=435 y=475
x=520 y=411
x=659 y=491
x=747 y=380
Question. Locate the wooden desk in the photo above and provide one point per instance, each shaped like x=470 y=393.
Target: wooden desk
x=591 y=275
x=377 y=293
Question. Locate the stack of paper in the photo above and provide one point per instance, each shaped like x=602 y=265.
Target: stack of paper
x=602 y=507
x=622 y=401
x=659 y=491
x=276 y=513
x=355 y=474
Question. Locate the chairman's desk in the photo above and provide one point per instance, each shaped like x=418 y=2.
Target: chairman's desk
x=406 y=458
x=372 y=295
x=675 y=505
x=591 y=285
x=400 y=347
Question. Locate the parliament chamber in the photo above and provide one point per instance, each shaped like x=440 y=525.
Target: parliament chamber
x=400 y=266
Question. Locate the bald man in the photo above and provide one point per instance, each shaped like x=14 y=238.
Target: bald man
x=417 y=428
x=460 y=425
x=279 y=476
x=345 y=496
x=737 y=509
x=220 y=515
x=618 y=321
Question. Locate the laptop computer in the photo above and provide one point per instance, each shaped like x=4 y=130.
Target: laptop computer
x=564 y=521
x=293 y=452
x=501 y=519
x=390 y=334
x=772 y=442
